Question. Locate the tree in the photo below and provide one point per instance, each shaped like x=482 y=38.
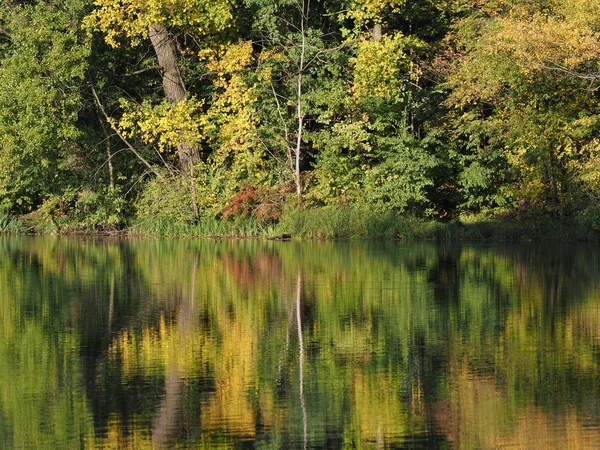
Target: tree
x=43 y=63
x=135 y=19
x=290 y=39
x=524 y=85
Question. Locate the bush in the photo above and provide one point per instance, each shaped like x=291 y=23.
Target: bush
x=166 y=201
x=10 y=224
x=86 y=210
x=589 y=217
x=259 y=203
x=100 y=211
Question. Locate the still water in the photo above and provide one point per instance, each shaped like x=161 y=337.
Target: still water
x=139 y=344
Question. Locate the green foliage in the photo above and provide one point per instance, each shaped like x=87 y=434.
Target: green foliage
x=481 y=181
x=43 y=61
x=436 y=109
x=81 y=211
x=589 y=217
x=400 y=180
x=10 y=224
x=100 y=211
x=526 y=97
x=344 y=149
x=166 y=200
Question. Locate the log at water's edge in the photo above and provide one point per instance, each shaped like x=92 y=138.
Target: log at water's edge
x=281 y=237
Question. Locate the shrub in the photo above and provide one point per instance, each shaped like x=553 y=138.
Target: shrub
x=10 y=224
x=259 y=203
x=167 y=200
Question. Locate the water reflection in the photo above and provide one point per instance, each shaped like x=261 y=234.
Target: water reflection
x=208 y=344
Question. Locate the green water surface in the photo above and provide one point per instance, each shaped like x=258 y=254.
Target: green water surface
x=140 y=344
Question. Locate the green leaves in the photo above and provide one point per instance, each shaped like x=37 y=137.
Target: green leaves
x=426 y=106
x=41 y=74
x=400 y=180
x=521 y=85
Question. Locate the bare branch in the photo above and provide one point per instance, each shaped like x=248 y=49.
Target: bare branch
x=560 y=68
x=112 y=125
x=137 y=72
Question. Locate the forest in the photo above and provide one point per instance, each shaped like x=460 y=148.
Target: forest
x=246 y=117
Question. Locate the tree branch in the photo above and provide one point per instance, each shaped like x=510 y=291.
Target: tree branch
x=112 y=125
x=137 y=72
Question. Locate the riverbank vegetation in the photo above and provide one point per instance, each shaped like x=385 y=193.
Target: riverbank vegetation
x=337 y=119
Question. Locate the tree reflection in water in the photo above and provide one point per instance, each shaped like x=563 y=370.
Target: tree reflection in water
x=162 y=344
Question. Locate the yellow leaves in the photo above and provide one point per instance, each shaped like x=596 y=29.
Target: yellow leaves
x=590 y=167
x=232 y=110
x=234 y=372
x=379 y=67
x=165 y=125
x=372 y=10
x=238 y=151
x=523 y=46
x=538 y=42
x=377 y=416
x=237 y=57
x=133 y=18
x=155 y=349
x=565 y=37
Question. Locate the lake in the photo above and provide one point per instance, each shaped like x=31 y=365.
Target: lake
x=144 y=343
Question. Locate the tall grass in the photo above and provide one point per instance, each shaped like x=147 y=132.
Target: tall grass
x=206 y=227
x=348 y=223
x=352 y=223
x=10 y=224
x=363 y=223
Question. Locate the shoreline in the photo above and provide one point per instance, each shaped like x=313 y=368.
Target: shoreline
x=406 y=229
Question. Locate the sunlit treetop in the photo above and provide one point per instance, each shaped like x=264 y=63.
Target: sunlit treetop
x=364 y=10
x=526 y=42
x=565 y=35
x=132 y=18
x=379 y=68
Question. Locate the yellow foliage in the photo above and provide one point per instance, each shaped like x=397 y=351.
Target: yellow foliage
x=378 y=415
x=235 y=377
x=379 y=67
x=165 y=125
x=233 y=113
x=232 y=110
x=567 y=38
x=524 y=43
x=590 y=167
x=365 y=10
x=237 y=57
x=133 y=18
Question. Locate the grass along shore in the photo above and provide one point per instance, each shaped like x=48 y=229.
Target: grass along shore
x=330 y=223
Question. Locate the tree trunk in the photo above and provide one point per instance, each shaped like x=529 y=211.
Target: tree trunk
x=377 y=34
x=166 y=52
x=300 y=112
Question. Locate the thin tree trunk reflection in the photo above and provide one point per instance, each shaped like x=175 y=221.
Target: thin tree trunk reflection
x=301 y=357
x=111 y=303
